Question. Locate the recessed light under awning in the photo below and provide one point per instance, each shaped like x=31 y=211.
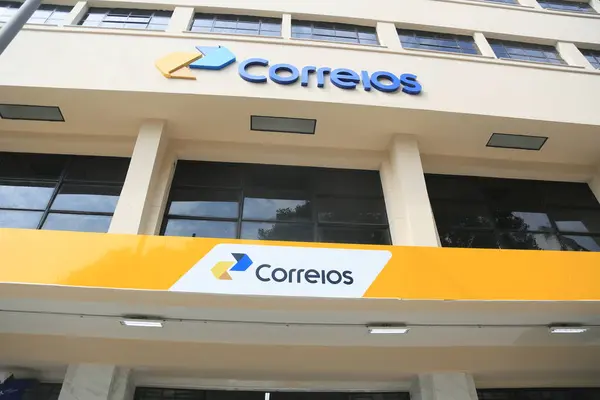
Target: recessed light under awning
x=283 y=124
x=31 y=113
x=520 y=142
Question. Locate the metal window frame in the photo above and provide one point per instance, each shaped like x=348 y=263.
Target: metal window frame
x=130 y=11
x=334 y=27
x=419 y=34
x=58 y=184
x=509 y=44
x=259 y=20
x=555 y=5
x=594 y=55
x=490 y=205
x=312 y=196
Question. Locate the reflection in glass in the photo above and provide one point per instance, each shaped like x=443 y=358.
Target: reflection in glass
x=461 y=215
x=469 y=239
x=522 y=221
x=20 y=219
x=277 y=231
x=77 y=222
x=277 y=209
x=351 y=210
x=363 y=235
x=191 y=228
x=530 y=241
x=582 y=243
x=21 y=195
x=204 y=203
x=87 y=198
x=577 y=220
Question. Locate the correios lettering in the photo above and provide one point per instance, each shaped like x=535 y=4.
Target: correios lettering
x=287 y=74
x=266 y=273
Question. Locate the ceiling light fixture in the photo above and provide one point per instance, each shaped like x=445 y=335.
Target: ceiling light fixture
x=31 y=113
x=518 y=142
x=283 y=124
x=143 y=323
x=565 y=329
x=388 y=329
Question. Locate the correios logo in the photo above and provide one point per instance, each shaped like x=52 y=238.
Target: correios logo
x=284 y=270
x=178 y=65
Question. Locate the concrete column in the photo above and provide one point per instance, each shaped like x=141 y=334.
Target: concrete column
x=571 y=54
x=531 y=3
x=286 y=26
x=595 y=5
x=595 y=184
x=96 y=382
x=158 y=195
x=405 y=192
x=484 y=47
x=133 y=204
x=388 y=36
x=76 y=14
x=446 y=386
x=181 y=19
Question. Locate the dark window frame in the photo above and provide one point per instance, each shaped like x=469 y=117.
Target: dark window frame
x=51 y=19
x=57 y=184
x=237 y=19
x=593 y=57
x=102 y=17
x=339 y=32
x=583 y=7
x=526 y=394
x=415 y=39
x=542 y=206
x=509 y=50
x=43 y=391
x=311 y=195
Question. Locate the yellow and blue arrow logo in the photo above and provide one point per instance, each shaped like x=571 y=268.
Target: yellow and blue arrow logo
x=221 y=269
x=176 y=65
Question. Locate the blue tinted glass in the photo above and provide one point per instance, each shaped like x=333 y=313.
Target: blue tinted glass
x=25 y=195
x=277 y=209
x=77 y=222
x=277 y=231
x=582 y=243
x=192 y=228
x=20 y=219
x=204 y=203
x=87 y=198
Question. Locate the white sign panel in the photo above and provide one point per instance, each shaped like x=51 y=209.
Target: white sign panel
x=284 y=271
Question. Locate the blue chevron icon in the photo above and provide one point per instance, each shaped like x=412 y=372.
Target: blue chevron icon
x=213 y=58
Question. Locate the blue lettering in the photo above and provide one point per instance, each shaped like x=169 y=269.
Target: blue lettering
x=306 y=71
x=283 y=80
x=388 y=88
x=410 y=84
x=344 y=78
x=251 y=62
x=366 y=80
x=321 y=72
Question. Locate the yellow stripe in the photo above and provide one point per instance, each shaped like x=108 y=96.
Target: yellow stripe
x=156 y=263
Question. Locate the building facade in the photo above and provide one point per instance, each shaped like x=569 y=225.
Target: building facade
x=381 y=200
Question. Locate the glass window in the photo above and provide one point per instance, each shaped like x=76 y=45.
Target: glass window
x=334 y=32
x=121 y=18
x=33 y=184
x=514 y=214
x=271 y=202
x=412 y=39
x=236 y=24
x=48 y=14
x=502 y=1
x=42 y=391
x=526 y=51
x=593 y=56
x=565 y=5
x=539 y=394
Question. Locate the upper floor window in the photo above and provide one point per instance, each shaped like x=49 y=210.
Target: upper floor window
x=271 y=202
x=593 y=56
x=437 y=41
x=514 y=214
x=334 y=32
x=75 y=193
x=155 y=393
x=502 y=1
x=42 y=391
x=526 y=51
x=47 y=14
x=539 y=394
x=128 y=18
x=566 y=5
x=236 y=24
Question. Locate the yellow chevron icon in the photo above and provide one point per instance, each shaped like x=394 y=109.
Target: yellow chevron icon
x=174 y=65
x=220 y=270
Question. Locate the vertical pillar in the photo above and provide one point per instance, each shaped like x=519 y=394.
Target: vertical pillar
x=388 y=36
x=159 y=193
x=286 y=26
x=483 y=45
x=595 y=5
x=181 y=19
x=133 y=204
x=447 y=386
x=571 y=54
x=530 y=3
x=405 y=192
x=595 y=184
x=96 y=382
x=76 y=14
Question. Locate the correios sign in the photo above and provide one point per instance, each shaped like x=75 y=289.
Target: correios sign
x=179 y=65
